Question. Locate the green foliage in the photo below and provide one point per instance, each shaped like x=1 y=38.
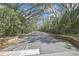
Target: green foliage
x=67 y=24
x=13 y=23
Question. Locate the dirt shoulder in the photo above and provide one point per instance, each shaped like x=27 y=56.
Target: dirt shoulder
x=73 y=40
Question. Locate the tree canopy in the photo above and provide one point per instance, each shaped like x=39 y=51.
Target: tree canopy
x=19 y=18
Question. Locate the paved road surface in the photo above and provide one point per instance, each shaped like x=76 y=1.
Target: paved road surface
x=46 y=43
